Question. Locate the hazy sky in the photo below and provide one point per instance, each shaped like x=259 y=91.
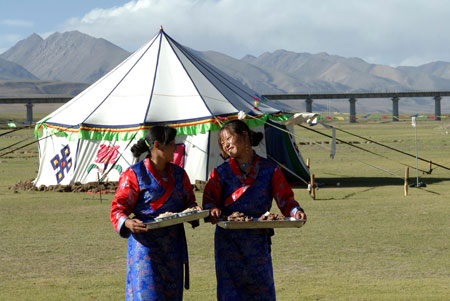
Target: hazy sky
x=390 y=32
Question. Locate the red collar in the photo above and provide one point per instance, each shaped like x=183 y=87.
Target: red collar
x=245 y=183
x=252 y=174
x=168 y=186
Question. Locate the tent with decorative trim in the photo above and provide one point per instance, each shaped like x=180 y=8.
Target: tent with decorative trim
x=88 y=138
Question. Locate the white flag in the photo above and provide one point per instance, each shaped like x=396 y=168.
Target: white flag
x=413 y=121
x=333 y=141
x=241 y=115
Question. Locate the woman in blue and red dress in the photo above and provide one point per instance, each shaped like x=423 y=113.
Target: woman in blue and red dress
x=148 y=188
x=246 y=183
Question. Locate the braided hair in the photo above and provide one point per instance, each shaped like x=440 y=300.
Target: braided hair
x=163 y=134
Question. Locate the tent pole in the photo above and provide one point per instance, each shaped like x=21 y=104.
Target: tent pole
x=405 y=186
x=313 y=188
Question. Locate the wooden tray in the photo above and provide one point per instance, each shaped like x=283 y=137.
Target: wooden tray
x=177 y=218
x=288 y=222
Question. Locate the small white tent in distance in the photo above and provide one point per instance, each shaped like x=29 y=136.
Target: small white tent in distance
x=89 y=137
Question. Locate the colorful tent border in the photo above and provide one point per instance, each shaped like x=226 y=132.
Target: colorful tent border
x=138 y=132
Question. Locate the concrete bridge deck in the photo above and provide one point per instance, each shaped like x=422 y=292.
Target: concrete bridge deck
x=308 y=97
x=352 y=97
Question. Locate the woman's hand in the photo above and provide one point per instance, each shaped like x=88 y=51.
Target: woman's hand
x=215 y=215
x=301 y=215
x=197 y=208
x=135 y=225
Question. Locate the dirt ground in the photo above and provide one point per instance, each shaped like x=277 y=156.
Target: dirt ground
x=94 y=187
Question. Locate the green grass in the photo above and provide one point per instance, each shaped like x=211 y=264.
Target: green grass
x=363 y=241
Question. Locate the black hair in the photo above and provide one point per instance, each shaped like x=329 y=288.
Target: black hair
x=163 y=134
x=239 y=127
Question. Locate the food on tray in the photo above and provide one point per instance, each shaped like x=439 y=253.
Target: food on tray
x=239 y=217
x=271 y=217
x=167 y=219
x=165 y=214
x=238 y=220
x=189 y=210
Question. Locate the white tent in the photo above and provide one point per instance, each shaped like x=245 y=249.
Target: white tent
x=89 y=137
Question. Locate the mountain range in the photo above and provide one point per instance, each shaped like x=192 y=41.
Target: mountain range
x=75 y=60
x=13 y=71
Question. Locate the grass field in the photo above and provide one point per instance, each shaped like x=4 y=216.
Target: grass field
x=364 y=240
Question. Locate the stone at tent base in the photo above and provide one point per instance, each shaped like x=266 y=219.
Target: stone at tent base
x=93 y=187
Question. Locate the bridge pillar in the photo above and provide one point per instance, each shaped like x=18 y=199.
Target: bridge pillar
x=395 y=108
x=309 y=102
x=437 y=108
x=352 y=109
x=29 y=106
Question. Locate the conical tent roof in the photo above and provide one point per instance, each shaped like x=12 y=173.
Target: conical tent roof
x=162 y=82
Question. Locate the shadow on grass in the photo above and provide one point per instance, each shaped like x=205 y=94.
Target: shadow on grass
x=371 y=181
x=347 y=196
x=356 y=192
x=370 y=184
x=433 y=192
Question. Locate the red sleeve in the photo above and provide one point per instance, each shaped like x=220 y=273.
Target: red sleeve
x=124 y=200
x=212 y=192
x=188 y=192
x=282 y=192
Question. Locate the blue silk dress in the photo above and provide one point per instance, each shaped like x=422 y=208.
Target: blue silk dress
x=155 y=259
x=243 y=256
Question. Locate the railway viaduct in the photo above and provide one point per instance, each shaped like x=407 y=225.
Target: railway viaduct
x=309 y=98
x=352 y=97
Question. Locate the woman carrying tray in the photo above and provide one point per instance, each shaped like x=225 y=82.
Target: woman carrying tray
x=246 y=183
x=148 y=188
